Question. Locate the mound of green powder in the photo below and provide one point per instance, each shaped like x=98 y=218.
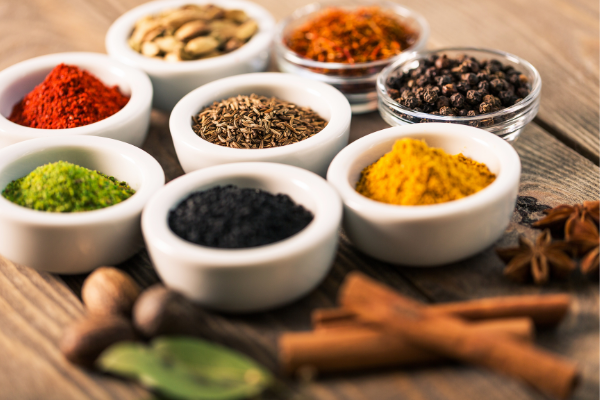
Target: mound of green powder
x=66 y=187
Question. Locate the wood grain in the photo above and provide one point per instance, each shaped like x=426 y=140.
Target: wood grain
x=560 y=38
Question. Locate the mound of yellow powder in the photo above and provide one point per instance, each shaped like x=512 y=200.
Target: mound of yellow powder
x=416 y=174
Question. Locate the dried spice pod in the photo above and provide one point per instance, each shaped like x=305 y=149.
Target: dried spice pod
x=109 y=291
x=581 y=232
x=537 y=261
x=83 y=341
x=192 y=32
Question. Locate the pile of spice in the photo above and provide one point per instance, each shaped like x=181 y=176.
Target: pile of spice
x=65 y=187
x=377 y=326
x=351 y=36
x=231 y=217
x=67 y=98
x=570 y=237
x=463 y=87
x=416 y=174
x=192 y=32
x=256 y=122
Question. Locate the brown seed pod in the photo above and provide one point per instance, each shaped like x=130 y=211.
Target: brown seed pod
x=109 y=291
x=83 y=341
x=160 y=311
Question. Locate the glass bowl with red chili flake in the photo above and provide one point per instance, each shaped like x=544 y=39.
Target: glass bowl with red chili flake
x=347 y=43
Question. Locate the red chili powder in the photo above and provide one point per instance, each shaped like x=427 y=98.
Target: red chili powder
x=69 y=97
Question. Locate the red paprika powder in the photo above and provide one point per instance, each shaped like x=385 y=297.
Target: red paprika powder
x=69 y=97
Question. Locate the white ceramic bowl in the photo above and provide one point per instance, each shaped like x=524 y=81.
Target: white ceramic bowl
x=130 y=124
x=73 y=243
x=252 y=279
x=172 y=81
x=313 y=154
x=436 y=234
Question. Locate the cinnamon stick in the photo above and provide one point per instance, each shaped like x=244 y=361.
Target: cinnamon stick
x=354 y=346
x=454 y=338
x=544 y=310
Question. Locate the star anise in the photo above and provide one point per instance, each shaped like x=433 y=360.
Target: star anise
x=581 y=234
x=537 y=261
x=557 y=217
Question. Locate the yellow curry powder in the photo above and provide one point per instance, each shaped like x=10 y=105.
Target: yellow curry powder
x=416 y=174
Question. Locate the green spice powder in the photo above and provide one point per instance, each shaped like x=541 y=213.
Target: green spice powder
x=65 y=187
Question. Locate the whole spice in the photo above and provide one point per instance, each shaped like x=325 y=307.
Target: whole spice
x=544 y=310
x=65 y=187
x=351 y=36
x=415 y=174
x=361 y=346
x=109 y=291
x=83 y=341
x=451 y=337
x=192 y=32
x=67 y=98
x=256 y=122
x=537 y=261
x=230 y=217
x=186 y=368
x=557 y=217
x=159 y=311
x=460 y=87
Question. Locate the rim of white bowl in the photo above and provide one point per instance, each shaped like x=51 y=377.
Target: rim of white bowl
x=156 y=230
x=118 y=33
x=138 y=82
x=153 y=178
x=510 y=171
x=180 y=123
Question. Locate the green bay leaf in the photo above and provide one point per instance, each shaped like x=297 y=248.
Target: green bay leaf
x=187 y=368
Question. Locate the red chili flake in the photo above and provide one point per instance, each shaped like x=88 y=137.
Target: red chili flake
x=356 y=36
x=69 y=97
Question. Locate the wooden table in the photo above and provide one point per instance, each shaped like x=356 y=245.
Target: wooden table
x=559 y=152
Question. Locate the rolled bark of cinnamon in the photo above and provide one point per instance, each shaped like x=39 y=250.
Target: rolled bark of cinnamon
x=355 y=346
x=454 y=338
x=544 y=310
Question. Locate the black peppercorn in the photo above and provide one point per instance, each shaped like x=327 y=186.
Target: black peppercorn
x=443 y=101
x=485 y=108
x=474 y=97
x=497 y=85
x=422 y=80
x=430 y=95
x=471 y=113
x=412 y=102
x=442 y=62
x=442 y=80
x=485 y=85
x=457 y=100
x=446 y=111
x=448 y=89
x=522 y=92
x=470 y=78
x=463 y=87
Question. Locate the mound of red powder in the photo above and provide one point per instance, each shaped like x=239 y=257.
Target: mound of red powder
x=69 y=97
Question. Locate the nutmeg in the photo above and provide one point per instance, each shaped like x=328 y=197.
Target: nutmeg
x=85 y=340
x=160 y=311
x=109 y=291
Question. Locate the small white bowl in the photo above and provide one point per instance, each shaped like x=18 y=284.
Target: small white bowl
x=314 y=154
x=172 y=81
x=436 y=234
x=252 y=279
x=130 y=124
x=73 y=243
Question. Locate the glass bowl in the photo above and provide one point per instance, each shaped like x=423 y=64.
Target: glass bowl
x=507 y=123
x=356 y=81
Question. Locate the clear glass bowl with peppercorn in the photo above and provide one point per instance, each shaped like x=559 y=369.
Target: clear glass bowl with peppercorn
x=489 y=89
x=312 y=43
